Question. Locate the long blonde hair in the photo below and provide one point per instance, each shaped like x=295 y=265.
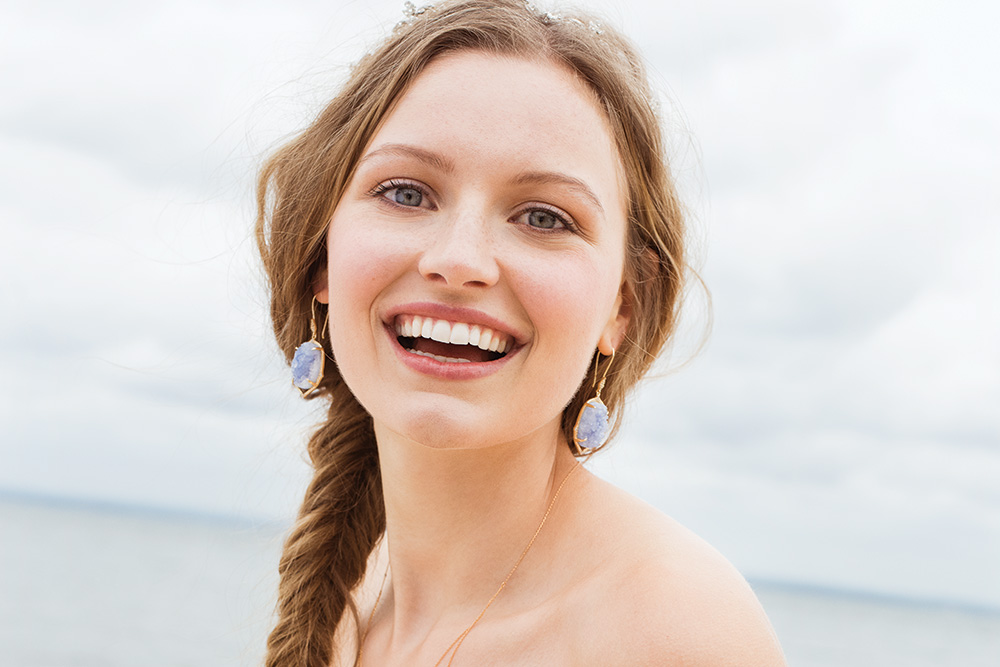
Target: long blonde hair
x=342 y=515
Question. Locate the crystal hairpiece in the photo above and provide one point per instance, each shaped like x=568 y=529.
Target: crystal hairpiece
x=594 y=26
x=549 y=18
x=412 y=11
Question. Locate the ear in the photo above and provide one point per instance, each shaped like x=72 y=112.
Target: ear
x=321 y=286
x=614 y=331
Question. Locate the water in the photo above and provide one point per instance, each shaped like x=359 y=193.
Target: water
x=83 y=588
x=835 y=630
x=99 y=588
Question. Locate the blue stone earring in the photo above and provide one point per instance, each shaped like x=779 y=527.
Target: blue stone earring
x=309 y=358
x=592 y=425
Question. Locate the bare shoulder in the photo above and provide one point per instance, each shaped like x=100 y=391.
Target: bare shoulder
x=666 y=597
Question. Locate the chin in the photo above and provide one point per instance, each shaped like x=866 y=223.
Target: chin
x=441 y=429
x=455 y=427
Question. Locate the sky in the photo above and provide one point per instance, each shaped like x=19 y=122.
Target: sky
x=839 y=162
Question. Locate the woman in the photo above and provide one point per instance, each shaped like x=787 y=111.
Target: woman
x=478 y=235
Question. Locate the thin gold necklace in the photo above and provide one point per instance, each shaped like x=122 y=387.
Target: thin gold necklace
x=455 y=645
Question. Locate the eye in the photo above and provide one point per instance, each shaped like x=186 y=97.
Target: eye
x=545 y=219
x=405 y=196
x=400 y=193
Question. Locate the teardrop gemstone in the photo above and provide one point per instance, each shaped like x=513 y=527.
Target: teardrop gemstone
x=307 y=365
x=592 y=426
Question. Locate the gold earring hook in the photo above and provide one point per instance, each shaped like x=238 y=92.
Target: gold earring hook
x=604 y=377
x=312 y=320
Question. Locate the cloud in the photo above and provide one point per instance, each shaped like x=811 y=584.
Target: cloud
x=842 y=413
x=839 y=159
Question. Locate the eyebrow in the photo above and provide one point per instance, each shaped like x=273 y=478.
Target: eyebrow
x=403 y=150
x=557 y=178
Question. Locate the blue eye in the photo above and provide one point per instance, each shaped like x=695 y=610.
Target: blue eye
x=543 y=219
x=405 y=196
x=401 y=193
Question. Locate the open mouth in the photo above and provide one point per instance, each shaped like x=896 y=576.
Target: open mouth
x=451 y=342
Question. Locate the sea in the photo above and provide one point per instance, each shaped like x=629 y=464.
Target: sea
x=110 y=586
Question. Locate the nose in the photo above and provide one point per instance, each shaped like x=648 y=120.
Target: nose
x=461 y=253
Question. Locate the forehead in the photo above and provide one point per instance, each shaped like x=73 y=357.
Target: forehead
x=508 y=114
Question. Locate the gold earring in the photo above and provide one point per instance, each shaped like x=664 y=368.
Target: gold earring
x=592 y=424
x=309 y=359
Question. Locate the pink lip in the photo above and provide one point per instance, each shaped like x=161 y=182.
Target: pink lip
x=442 y=369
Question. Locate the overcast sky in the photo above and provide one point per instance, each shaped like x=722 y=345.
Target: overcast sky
x=840 y=161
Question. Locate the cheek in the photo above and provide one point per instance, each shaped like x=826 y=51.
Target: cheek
x=359 y=260
x=359 y=265
x=569 y=302
x=579 y=291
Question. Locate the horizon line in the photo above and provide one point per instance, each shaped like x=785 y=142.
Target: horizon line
x=257 y=522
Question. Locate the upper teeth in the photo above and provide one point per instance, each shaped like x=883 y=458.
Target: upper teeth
x=455 y=333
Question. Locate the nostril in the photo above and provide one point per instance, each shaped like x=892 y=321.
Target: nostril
x=459 y=265
x=458 y=279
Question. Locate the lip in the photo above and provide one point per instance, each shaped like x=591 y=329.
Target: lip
x=442 y=369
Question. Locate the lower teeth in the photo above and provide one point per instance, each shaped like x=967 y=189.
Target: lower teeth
x=447 y=360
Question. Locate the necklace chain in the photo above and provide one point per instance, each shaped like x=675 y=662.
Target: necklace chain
x=457 y=643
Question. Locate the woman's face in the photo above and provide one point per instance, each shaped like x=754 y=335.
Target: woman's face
x=490 y=205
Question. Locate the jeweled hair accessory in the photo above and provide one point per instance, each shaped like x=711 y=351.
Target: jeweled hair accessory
x=309 y=359
x=593 y=425
x=411 y=13
x=551 y=17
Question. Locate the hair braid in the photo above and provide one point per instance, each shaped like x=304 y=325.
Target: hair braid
x=324 y=558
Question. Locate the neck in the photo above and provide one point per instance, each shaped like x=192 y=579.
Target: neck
x=457 y=520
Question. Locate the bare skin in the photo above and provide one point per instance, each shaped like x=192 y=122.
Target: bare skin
x=493 y=193
x=633 y=587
